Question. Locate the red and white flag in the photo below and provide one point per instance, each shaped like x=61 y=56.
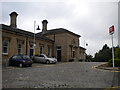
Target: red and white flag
x=111 y=30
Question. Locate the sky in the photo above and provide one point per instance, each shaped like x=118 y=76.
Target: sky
x=90 y=19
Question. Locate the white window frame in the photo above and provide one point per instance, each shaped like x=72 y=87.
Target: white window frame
x=19 y=48
x=6 y=47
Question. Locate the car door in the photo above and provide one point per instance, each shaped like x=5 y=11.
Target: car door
x=41 y=58
x=14 y=60
x=36 y=58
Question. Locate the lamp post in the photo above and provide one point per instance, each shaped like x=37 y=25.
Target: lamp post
x=34 y=35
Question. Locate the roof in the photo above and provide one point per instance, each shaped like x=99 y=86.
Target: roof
x=23 y=32
x=58 y=31
x=82 y=48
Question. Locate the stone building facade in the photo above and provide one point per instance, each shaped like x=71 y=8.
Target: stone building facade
x=60 y=43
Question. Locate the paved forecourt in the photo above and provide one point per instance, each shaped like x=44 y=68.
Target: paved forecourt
x=60 y=75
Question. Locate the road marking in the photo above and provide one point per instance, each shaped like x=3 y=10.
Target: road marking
x=95 y=67
x=112 y=88
x=116 y=87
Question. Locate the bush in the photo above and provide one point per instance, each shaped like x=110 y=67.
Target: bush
x=116 y=61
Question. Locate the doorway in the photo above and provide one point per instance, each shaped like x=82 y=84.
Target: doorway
x=31 y=50
x=59 y=54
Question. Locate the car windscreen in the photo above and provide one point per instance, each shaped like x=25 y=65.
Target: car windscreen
x=26 y=57
x=16 y=57
x=41 y=56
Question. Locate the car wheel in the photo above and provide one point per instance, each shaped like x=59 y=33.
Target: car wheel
x=30 y=65
x=10 y=64
x=47 y=62
x=20 y=65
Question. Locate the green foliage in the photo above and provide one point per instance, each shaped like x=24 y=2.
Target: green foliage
x=105 y=47
x=117 y=53
x=116 y=61
x=103 y=55
x=89 y=58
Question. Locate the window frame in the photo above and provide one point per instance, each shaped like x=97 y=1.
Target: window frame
x=20 y=48
x=41 y=49
x=49 y=51
x=3 y=46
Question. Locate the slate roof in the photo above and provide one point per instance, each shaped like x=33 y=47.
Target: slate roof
x=58 y=31
x=22 y=32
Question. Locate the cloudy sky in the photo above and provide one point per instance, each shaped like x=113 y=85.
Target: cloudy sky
x=90 y=19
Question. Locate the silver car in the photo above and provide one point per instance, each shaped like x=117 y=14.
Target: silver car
x=42 y=58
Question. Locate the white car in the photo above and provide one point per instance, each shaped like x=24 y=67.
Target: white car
x=44 y=59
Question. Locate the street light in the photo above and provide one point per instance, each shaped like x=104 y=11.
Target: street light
x=34 y=35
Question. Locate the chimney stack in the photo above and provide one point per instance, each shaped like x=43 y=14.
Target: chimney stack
x=44 y=26
x=13 y=19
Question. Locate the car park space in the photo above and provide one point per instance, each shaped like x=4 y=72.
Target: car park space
x=21 y=61
x=42 y=58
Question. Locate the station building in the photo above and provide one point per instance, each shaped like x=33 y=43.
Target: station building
x=59 y=43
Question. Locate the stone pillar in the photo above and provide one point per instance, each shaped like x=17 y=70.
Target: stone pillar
x=13 y=47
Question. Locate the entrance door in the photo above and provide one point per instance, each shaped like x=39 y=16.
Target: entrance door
x=59 y=54
x=73 y=54
x=31 y=52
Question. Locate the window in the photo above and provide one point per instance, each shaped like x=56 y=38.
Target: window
x=26 y=57
x=41 y=49
x=16 y=58
x=5 y=47
x=49 y=51
x=19 y=48
x=41 y=56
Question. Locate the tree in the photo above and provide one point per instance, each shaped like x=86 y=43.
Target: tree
x=117 y=52
x=105 y=47
x=104 y=54
x=89 y=58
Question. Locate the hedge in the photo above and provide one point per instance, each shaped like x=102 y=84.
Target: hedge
x=116 y=61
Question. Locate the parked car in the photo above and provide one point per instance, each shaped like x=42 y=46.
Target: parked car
x=20 y=60
x=42 y=58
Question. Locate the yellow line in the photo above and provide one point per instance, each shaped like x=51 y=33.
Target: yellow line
x=112 y=88
x=95 y=67
x=116 y=87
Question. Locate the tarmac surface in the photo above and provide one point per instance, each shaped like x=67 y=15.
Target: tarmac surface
x=60 y=75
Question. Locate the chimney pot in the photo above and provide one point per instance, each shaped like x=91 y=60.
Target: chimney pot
x=13 y=19
x=44 y=26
